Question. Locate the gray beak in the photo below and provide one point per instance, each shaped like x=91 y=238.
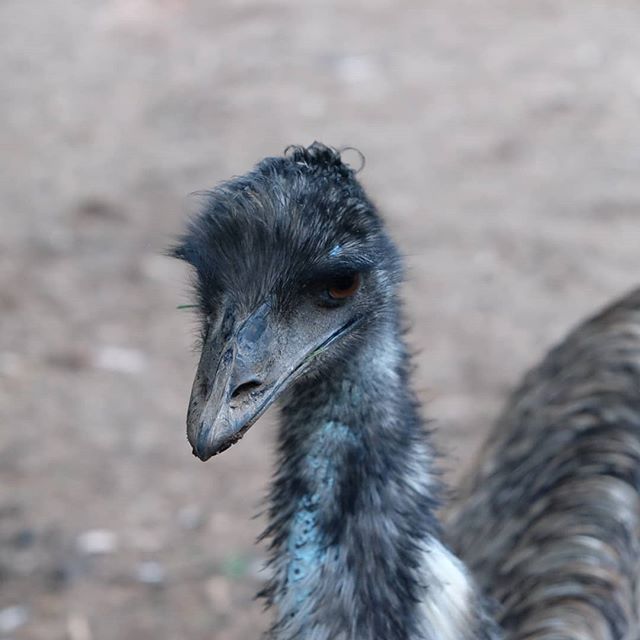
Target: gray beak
x=234 y=383
x=245 y=366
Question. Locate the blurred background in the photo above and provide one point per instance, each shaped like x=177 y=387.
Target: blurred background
x=503 y=144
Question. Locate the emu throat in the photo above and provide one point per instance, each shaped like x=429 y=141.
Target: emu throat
x=353 y=530
x=307 y=545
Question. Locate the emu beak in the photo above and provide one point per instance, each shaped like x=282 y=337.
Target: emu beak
x=244 y=367
x=234 y=382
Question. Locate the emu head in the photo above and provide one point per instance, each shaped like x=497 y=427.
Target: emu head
x=292 y=271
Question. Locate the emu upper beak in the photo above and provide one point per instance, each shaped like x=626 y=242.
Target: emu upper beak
x=244 y=367
x=233 y=384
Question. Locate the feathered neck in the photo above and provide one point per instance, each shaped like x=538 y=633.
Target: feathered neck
x=356 y=551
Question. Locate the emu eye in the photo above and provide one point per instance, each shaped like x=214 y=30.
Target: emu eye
x=343 y=287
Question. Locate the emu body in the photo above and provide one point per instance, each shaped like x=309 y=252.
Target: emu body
x=296 y=281
x=549 y=520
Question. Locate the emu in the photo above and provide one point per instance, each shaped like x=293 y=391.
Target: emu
x=296 y=283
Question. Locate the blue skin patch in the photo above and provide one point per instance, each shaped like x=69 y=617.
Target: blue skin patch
x=305 y=549
x=305 y=546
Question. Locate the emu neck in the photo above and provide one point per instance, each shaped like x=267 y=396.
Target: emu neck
x=355 y=542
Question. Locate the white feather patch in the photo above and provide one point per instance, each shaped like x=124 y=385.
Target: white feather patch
x=447 y=606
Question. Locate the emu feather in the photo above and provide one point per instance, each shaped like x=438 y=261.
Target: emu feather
x=296 y=281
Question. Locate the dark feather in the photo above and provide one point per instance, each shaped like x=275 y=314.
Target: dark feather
x=549 y=521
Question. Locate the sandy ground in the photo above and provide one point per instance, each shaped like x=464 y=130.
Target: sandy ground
x=502 y=141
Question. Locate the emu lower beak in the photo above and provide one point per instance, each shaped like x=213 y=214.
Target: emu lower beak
x=227 y=413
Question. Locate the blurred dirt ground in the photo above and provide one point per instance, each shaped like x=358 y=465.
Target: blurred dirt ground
x=502 y=141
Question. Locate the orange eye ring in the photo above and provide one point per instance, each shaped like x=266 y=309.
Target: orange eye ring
x=344 y=287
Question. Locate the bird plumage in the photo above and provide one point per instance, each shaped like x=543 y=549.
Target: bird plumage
x=549 y=521
x=296 y=281
x=355 y=544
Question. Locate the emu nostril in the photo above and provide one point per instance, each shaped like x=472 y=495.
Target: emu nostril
x=245 y=388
